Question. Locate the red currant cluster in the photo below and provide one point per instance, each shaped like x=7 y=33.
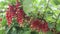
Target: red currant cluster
x=39 y=25
x=17 y=11
x=13 y=11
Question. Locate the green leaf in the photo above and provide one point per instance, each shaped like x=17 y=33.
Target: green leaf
x=2 y=31
x=27 y=6
x=49 y=19
x=51 y=25
x=49 y=32
x=4 y=21
x=58 y=27
x=57 y=2
x=34 y=32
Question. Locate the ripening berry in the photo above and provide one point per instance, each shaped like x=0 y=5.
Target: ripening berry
x=35 y=23
x=45 y=27
x=0 y=19
x=15 y=12
x=17 y=4
x=19 y=16
x=9 y=15
x=11 y=8
x=39 y=25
